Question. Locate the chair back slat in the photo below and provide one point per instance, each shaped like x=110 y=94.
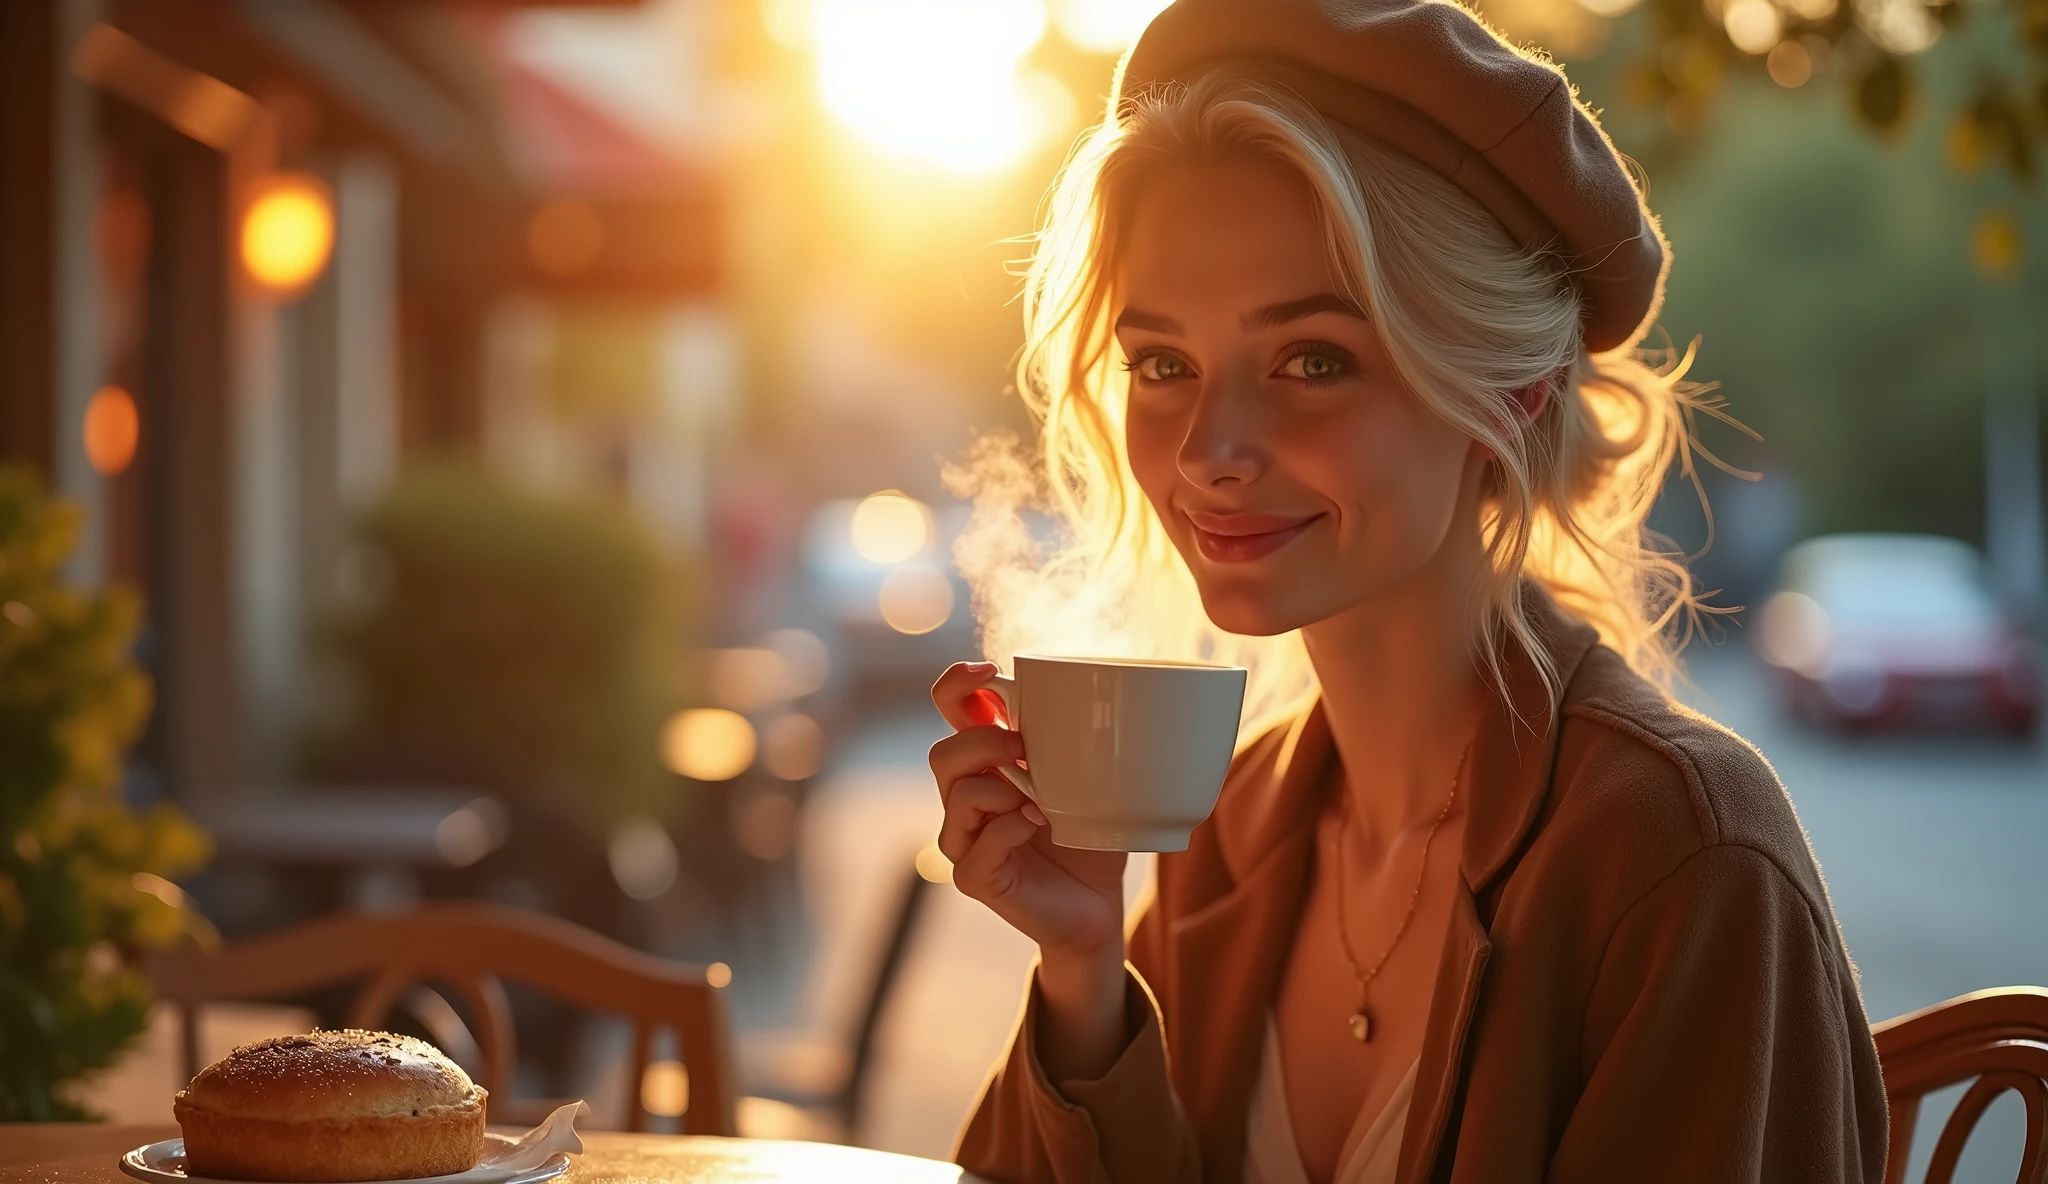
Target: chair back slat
x=1948 y=1150
x=636 y=1076
x=489 y=1008
x=1996 y=1040
x=474 y=948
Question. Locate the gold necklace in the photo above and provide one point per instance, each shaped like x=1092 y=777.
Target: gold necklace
x=1361 y=1023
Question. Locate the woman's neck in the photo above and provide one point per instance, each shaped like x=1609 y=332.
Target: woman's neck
x=1402 y=697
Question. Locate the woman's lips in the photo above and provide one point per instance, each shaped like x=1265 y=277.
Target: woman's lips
x=1242 y=538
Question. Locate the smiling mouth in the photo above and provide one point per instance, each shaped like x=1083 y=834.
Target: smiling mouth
x=1245 y=538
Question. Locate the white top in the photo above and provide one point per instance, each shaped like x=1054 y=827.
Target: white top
x=1271 y=1155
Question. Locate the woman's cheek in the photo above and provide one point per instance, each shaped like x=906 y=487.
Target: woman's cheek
x=1151 y=457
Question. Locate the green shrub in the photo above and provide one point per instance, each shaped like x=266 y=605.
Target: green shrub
x=83 y=879
x=527 y=641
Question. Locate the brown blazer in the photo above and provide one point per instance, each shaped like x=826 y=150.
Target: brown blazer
x=1642 y=981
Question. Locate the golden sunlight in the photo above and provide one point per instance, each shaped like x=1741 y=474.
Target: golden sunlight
x=1104 y=26
x=938 y=80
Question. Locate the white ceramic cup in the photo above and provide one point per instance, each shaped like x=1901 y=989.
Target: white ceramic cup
x=1123 y=755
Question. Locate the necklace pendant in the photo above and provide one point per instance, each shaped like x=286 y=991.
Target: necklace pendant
x=1361 y=1027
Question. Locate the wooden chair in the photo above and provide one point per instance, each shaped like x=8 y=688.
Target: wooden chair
x=1998 y=1037
x=474 y=949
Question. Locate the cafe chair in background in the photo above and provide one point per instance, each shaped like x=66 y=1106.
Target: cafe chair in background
x=474 y=949
x=1999 y=1038
x=815 y=1086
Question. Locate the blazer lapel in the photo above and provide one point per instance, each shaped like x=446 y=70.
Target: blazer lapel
x=1459 y=971
x=1226 y=956
x=1506 y=784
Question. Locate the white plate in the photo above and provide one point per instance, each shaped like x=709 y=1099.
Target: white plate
x=164 y=1163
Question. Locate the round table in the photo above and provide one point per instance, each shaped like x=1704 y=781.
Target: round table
x=85 y=1153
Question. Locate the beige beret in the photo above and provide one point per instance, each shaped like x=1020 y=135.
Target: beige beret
x=1428 y=79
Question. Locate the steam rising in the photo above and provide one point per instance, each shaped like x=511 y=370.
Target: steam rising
x=1028 y=595
x=1037 y=589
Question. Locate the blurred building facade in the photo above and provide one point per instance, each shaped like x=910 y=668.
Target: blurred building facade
x=259 y=252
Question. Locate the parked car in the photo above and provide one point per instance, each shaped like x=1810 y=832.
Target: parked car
x=1897 y=631
x=880 y=585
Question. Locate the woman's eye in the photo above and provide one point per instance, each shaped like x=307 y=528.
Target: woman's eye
x=1158 y=367
x=1315 y=366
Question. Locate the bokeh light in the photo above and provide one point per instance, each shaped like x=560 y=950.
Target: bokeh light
x=935 y=80
x=642 y=857
x=111 y=431
x=916 y=600
x=466 y=835
x=708 y=743
x=1608 y=8
x=805 y=657
x=933 y=865
x=288 y=233
x=1790 y=64
x=1793 y=631
x=665 y=1089
x=1753 y=25
x=793 y=747
x=749 y=678
x=890 y=527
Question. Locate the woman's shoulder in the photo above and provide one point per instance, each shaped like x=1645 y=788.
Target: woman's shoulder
x=1643 y=785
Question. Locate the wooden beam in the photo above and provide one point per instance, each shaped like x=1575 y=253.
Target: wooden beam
x=28 y=207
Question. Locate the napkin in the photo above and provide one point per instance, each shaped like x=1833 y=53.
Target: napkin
x=555 y=1134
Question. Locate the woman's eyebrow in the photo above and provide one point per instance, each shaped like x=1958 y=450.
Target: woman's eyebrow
x=1307 y=306
x=1132 y=318
x=1263 y=318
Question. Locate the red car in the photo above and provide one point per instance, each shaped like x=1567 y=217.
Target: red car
x=1897 y=631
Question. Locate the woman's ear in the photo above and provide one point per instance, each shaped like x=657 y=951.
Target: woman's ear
x=1532 y=399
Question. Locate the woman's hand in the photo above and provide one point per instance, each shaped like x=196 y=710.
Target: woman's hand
x=1070 y=902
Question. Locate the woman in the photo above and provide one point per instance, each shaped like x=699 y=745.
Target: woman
x=1479 y=902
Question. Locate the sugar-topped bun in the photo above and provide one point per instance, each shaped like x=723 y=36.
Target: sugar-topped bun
x=347 y=1105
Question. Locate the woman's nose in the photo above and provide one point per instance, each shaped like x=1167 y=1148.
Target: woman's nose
x=1221 y=446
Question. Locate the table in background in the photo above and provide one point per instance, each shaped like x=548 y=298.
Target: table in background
x=86 y=1153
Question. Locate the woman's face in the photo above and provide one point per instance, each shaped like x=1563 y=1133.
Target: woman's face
x=1295 y=471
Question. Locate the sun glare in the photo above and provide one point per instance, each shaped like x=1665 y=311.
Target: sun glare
x=938 y=80
x=1104 y=26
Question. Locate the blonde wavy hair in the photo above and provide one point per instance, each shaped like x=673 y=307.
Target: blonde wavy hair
x=1468 y=316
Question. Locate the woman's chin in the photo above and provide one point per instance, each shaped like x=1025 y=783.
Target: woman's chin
x=1251 y=615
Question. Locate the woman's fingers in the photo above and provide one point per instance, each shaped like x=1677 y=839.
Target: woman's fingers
x=986 y=870
x=975 y=801
x=960 y=696
x=965 y=753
